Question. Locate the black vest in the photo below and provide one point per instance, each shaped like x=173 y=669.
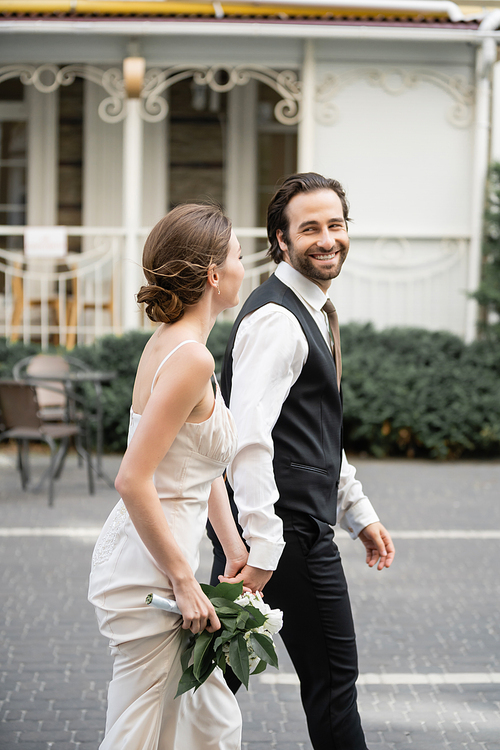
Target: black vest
x=308 y=434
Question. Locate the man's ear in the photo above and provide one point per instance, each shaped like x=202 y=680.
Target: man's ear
x=281 y=241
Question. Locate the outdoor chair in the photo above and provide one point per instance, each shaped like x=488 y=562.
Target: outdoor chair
x=89 y=301
x=53 y=400
x=27 y=297
x=64 y=400
x=21 y=418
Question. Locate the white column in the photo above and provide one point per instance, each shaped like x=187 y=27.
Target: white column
x=241 y=175
x=241 y=172
x=42 y=189
x=102 y=163
x=43 y=130
x=132 y=213
x=155 y=171
x=305 y=158
x=485 y=56
x=495 y=114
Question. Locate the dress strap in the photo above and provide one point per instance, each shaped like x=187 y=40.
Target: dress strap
x=187 y=341
x=215 y=384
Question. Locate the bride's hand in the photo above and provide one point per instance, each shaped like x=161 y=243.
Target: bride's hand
x=197 y=611
x=254 y=579
x=235 y=564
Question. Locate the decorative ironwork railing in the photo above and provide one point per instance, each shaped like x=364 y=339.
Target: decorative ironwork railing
x=78 y=298
x=414 y=279
x=68 y=300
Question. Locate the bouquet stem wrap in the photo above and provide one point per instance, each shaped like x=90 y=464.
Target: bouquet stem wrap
x=160 y=603
x=244 y=640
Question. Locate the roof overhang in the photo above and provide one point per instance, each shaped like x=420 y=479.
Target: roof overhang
x=423 y=20
x=388 y=10
x=293 y=28
x=368 y=11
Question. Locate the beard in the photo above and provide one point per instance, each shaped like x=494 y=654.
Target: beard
x=304 y=265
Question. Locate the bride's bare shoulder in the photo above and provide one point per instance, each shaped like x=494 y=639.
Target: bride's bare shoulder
x=173 y=356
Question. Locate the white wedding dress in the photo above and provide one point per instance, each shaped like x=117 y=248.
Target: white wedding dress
x=147 y=643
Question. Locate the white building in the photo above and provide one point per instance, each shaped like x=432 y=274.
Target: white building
x=111 y=112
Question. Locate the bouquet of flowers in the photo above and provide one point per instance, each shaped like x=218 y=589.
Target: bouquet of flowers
x=244 y=640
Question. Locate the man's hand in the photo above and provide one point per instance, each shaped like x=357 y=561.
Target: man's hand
x=379 y=546
x=253 y=578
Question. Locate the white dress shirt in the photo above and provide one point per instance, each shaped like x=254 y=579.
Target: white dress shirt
x=268 y=356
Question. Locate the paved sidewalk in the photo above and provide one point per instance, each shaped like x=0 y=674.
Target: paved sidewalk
x=428 y=629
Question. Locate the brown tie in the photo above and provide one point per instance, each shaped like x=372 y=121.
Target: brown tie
x=333 y=321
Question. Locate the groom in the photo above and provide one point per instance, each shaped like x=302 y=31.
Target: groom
x=290 y=477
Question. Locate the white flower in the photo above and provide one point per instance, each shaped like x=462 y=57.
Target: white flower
x=274 y=620
x=253 y=660
x=225 y=651
x=274 y=617
x=244 y=600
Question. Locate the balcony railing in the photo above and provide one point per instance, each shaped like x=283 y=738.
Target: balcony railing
x=78 y=298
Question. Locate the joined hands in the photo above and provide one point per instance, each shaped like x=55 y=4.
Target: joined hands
x=254 y=579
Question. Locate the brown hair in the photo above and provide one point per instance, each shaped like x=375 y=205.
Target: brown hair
x=177 y=256
x=305 y=182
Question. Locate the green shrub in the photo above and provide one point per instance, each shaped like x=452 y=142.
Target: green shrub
x=419 y=393
x=217 y=342
x=119 y=354
x=10 y=353
x=406 y=391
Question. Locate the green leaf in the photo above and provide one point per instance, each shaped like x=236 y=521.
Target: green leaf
x=187 y=681
x=257 y=616
x=261 y=666
x=201 y=653
x=220 y=602
x=228 y=623
x=206 y=674
x=242 y=621
x=225 y=610
x=264 y=648
x=186 y=657
x=208 y=590
x=229 y=591
x=224 y=637
x=221 y=662
x=238 y=659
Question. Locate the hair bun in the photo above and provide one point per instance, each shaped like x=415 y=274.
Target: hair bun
x=162 y=305
x=178 y=254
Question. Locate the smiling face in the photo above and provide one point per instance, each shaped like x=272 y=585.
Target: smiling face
x=316 y=243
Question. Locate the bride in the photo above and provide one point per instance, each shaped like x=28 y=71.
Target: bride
x=181 y=438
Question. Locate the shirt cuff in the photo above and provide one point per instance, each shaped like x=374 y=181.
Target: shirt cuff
x=264 y=554
x=358 y=516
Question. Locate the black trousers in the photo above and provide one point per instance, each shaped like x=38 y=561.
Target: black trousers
x=309 y=586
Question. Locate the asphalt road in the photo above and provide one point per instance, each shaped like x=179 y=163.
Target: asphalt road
x=428 y=629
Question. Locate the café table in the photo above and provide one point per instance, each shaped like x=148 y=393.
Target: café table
x=72 y=379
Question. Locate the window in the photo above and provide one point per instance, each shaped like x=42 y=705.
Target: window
x=276 y=149
x=69 y=205
x=13 y=159
x=196 y=143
